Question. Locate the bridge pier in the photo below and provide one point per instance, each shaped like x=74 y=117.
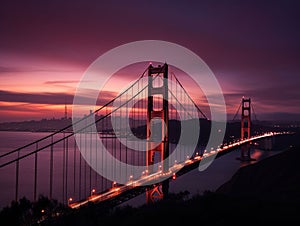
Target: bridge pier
x=245 y=153
x=268 y=143
x=157 y=192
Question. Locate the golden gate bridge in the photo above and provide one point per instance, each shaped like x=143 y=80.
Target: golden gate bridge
x=59 y=162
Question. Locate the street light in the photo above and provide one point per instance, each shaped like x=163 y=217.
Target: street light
x=174 y=176
x=93 y=191
x=69 y=200
x=130 y=180
x=159 y=168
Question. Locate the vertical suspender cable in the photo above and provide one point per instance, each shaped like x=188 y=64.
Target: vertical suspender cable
x=91 y=140
x=51 y=169
x=17 y=177
x=63 y=168
x=67 y=159
x=80 y=159
x=35 y=172
x=74 y=167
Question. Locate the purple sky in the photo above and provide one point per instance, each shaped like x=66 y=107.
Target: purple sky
x=253 y=48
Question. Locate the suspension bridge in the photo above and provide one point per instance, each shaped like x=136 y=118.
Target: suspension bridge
x=153 y=106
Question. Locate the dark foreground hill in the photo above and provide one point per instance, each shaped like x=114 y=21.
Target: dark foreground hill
x=277 y=177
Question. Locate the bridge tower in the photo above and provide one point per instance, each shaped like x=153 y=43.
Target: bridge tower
x=246 y=118
x=246 y=128
x=157 y=91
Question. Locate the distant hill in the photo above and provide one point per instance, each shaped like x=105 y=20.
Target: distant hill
x=139 y=129
x=44 y=125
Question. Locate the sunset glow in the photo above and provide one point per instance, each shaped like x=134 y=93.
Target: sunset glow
x=43 y=57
